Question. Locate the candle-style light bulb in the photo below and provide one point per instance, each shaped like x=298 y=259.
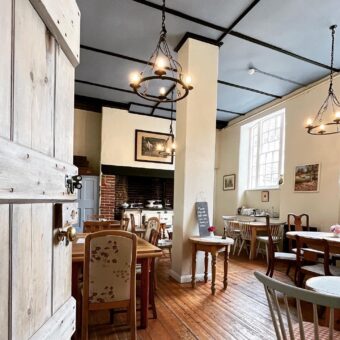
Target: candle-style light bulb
x=160 y=63
x=173 y=145
x=337 y=115
x=135 y=78
x=309 y=122
x=188 y=80
x=162 y=91
x=322 y=127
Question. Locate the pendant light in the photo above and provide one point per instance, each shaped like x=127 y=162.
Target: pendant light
x=162 y=80
x=327 y=119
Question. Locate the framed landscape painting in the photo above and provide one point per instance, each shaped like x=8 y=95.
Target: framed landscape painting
x=307 y=178
x=229 y=182
x=148 y=145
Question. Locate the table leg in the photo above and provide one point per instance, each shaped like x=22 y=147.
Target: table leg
x=206 y=267
x=226 y=262
x=193 y=266
x=145 y=284
x=213 y=271
x=252 y=244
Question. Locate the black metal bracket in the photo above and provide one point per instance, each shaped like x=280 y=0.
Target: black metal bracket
x=73 y=182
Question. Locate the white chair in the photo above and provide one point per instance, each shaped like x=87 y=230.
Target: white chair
x=110 y=275
x=245 y=233
x=232 y=230
x=285 y=323
x=277 y=235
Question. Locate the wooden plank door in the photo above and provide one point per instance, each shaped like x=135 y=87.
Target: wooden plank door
x=40 y=48
x=88 y=199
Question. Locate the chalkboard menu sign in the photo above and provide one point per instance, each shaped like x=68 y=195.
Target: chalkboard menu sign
x=202 y=218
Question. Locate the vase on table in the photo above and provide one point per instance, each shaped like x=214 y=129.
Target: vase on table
x=211 y=234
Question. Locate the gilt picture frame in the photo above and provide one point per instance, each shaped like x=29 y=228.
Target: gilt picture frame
x=147 y=146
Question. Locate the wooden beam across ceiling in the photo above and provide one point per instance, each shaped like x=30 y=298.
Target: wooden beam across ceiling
x=227 y=31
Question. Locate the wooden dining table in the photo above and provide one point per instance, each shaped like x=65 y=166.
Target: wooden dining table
x=145 y=252
x=256 y=227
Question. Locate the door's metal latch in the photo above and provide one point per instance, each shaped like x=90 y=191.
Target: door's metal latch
x=73 y=182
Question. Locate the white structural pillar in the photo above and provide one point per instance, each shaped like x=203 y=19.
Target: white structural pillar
x=195 y=151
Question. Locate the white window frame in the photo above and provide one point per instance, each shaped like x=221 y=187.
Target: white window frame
x=251 y=185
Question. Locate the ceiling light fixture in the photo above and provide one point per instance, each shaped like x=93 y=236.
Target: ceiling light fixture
x=168 y=148
x=162 y=71
x=327 y=120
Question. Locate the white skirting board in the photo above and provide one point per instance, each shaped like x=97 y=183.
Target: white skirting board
x=187 y=278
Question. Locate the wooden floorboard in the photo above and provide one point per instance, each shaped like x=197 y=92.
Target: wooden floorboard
x=240 y=312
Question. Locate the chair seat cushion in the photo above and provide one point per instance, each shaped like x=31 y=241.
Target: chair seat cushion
x=294 y=250
x=265 y=239
x=319 y=269
x=285 y=256
x=309 y=332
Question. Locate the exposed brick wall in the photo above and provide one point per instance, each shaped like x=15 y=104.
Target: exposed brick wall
x=115 y=190
x=107 y=196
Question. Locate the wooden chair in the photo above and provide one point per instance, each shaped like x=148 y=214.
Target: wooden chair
x=94 y=226
x=276 y=234
x=318 y=263
x=275 y=257
x=232 y=230
x=95 y=217
x=297 y=222
x=245 y=233
x=124 y=223
x=285 y=324
x=152 y=223
x=110 y=275
x=133 y=223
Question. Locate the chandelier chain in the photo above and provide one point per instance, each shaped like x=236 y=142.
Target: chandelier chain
x=332 y=59
x=163 y=32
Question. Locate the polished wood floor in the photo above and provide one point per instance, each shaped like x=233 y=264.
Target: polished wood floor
x=240 y=312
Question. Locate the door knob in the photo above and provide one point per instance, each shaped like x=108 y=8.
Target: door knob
x=69 y=234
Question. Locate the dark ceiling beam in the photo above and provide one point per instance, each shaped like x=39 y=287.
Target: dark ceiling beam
x=220 y=124
x=279 y=49
x=234 y=33
x=237 y=20
x=103 y=86
x=181 y=15
x=151 y=107
x=248 y=89
x=231 y=112
x=148 y=115
x=117 y=89
x=113 y=54
x=198 y=37
x=96 y=105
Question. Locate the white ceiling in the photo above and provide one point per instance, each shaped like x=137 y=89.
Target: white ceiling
x=131 y=28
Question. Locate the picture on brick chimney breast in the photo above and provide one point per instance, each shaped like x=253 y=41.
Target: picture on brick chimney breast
x=147 y=147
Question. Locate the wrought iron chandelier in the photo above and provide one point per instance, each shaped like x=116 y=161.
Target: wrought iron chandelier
x=327 y=120
x=162 y=77
x=164 y=149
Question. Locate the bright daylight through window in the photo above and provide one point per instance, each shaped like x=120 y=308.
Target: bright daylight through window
x=266 y=144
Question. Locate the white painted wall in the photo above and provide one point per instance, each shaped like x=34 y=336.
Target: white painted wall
x=87 y=136
x=118 y=137
x=300 y=148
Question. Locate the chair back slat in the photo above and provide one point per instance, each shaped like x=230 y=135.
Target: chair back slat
x=232 y=229
x=297 y=326
x=133 y=223
x=245 y=230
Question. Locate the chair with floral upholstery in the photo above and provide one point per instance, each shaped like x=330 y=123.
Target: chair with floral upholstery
x=109 y=275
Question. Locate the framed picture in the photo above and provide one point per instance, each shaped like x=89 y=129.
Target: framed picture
x=264 y=196
x=147 y=147
x=307 y=178
x=229 y=182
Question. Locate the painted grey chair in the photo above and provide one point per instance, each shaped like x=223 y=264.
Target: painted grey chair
x=285 y=323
